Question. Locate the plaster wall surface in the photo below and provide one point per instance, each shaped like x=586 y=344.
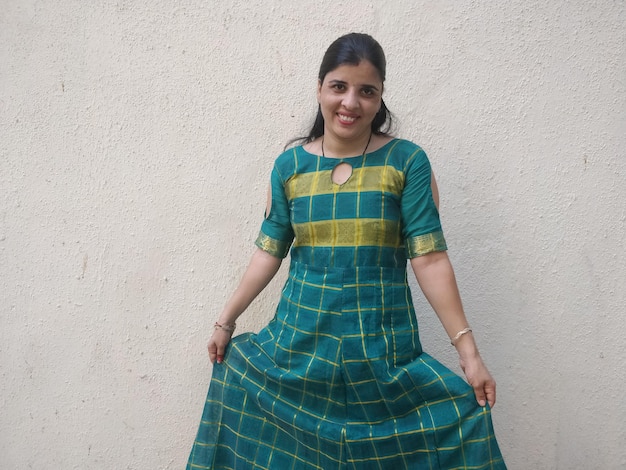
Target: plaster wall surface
x=136 y=140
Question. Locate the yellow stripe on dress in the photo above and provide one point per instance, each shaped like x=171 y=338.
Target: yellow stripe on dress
x=345 y=232
x=371 y=178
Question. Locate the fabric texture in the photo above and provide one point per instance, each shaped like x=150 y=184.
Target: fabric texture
x=338 y=378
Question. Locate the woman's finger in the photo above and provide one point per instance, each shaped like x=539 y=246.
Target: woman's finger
x=212 y=348
x=481 y=398
x=220 y=354
x=490 y=392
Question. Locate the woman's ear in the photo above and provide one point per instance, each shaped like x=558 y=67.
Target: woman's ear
x=319 y=89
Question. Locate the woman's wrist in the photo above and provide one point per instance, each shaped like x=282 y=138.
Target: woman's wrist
x=466 y=346
x=228 y=327
x=459 y=335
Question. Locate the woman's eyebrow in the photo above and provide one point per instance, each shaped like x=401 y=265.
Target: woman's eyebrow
x=341 y=82
x=370 y=87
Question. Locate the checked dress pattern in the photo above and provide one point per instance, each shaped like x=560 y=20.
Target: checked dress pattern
x=338 y=378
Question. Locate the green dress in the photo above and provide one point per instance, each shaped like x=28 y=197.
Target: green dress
x=338 y=379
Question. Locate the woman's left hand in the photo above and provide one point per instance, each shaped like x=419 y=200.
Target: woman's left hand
x=217 y=344
x=480 y=379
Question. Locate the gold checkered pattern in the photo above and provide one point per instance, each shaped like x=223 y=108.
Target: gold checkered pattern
x=338 y=378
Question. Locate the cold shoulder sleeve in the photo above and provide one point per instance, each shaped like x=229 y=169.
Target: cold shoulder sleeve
x=276 y=233
x=421 y=225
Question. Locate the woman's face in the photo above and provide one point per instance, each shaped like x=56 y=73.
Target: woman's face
x=349 y=97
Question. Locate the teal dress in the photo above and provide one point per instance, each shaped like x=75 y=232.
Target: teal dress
x=338 y=378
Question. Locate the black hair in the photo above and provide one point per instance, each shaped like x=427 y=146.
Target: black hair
x=352 y=49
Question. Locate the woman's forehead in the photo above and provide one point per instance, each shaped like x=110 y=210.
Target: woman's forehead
x=364 y=72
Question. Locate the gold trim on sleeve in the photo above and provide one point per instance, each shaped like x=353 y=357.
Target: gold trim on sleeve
x=272 y=246
x=424 y=244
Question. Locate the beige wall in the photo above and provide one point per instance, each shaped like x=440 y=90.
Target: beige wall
x=136 y=138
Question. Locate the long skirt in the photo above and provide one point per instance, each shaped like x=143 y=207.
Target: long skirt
x=338 y=380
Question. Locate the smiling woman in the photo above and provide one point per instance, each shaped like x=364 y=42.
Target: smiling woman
x=338 y=378
x=350 y=97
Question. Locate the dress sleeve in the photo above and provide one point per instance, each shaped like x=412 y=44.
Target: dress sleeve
x=421 y=226
x=276 y=233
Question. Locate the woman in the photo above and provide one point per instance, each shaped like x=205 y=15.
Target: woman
x=338 y=379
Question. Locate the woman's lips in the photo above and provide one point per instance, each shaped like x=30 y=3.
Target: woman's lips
x=345 y=119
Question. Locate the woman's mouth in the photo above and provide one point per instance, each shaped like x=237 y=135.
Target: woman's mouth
x=346 y=119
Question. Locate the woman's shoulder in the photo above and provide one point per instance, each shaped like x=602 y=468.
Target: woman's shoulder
x=405 y=145
x=406 y=153
x=287 y=161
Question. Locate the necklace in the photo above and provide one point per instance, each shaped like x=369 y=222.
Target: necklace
x=364 y=150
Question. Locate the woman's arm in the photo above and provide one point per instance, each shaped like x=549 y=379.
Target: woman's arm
x=435 y=277
x=261 y=270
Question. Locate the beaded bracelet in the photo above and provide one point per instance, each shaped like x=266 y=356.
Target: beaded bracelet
x=226 y=327
x=459 y=334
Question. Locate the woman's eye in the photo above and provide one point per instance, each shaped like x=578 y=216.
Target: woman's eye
x=339 y=87
x=368 y=91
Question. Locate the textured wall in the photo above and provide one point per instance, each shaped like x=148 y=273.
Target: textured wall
x=136 y=139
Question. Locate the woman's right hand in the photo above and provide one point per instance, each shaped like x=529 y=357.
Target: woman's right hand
x=262 y=268
x=217 y=344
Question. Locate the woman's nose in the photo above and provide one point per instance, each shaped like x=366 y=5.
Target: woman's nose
x=350 y=100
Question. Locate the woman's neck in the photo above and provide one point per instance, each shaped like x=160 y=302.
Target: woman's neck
x=333 y=147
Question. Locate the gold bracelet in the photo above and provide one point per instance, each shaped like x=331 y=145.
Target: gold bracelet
x=459 y=334
x=226 y=326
